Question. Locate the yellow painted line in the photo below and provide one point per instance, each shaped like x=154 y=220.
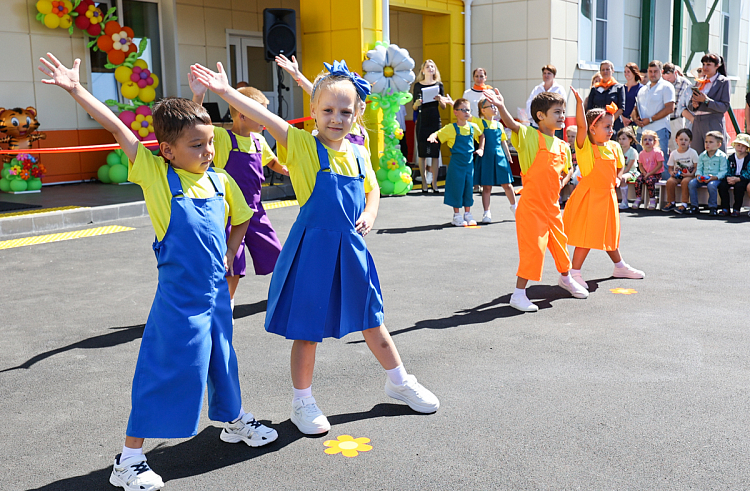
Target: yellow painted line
x=419 y=186
x=37 y=211
x=280 y=204
x=76 y=234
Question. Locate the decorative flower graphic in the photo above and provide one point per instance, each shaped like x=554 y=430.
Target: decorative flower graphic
x=117 y=42
x=623 y=291
x=144 y=125
x=347 y=446
x=389 y=69
x=392 y=164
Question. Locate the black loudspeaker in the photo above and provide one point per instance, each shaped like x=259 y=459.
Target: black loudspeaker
x=279 y=33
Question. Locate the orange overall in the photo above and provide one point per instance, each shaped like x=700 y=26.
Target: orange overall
x=538 y=221
x=592 y=220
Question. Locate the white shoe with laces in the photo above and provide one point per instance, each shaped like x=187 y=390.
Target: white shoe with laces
x=522 y=303
x=134 y=474
x=308 y=417
x=248 y=430
x=414 y=394
x=458 y=220
x=579 y=279
x=469 y=218
x=487 y=217
x=572 y=286
x=628 y=271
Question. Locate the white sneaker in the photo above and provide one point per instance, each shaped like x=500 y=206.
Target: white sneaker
x=487 y=217
x=636 y=204
x=513 y=208
x=308 y=417
x=428 y=177
x=414 y=394
x=573 y=287
x=628 y=271
x=652 y=204
x=458 y=220
x=624 y=205
x=134 y=474
x=579 y=279
x=469 y=219
x=248 y=430
x=522 y=303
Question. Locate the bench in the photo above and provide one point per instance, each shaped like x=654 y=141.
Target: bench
x=661 y=198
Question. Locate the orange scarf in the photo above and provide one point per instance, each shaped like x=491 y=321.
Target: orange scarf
x=606 y=85
x=701 y=82
x=481 y=88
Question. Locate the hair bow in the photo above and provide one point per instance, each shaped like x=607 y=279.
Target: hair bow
x=339 y=68
x=610 y=108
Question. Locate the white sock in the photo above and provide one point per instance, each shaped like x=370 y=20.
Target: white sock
x=520 y=292
x=239 y=416
x=621 y=264
x=566 y=277
x=575 y=271
x=231 y=302
x=128 y=452
x=397 y=375
x=302 y=393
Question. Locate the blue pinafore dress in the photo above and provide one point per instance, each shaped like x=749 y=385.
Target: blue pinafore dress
x=459 y=179
x=492 y=168
x=247 y=170
x=187 y=342
x=325 y=283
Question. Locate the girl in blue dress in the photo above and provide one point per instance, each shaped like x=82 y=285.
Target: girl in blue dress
x=325 y=283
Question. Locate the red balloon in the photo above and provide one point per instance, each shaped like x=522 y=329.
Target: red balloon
x=142 y=84
x=82 y=22
x=94 y=30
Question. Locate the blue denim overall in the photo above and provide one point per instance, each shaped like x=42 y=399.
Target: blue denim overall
x=459 y=179
x=492 y=168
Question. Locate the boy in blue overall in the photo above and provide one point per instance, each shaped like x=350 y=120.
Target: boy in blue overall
x=187 y=342
x=459 y=180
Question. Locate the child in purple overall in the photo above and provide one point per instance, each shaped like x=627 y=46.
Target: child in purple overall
x=243 y=152
x=187 y=342
x=325 y=283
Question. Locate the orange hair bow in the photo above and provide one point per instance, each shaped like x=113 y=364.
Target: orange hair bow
x=611 y=108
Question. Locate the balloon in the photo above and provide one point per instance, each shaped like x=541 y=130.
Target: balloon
x=118 y=173
x=122 y=73
x=34 y=184
x=394 y=175
x=129 y=90
x=4 y=185
x=145 y=110
x=111 y=27
x=104 y=43
x=113 y=158
x=18 y=185
x=400 y=187
x=103 y=174
x=116 y=57
x=4 y=173
x=52 y=21
x=381 y=174
x=124 y=159
x=140 y=64
x=94 y=30
x=386 y=187
x=407 y=169
x=147 y=94
x=44 y=6
x=155 y=84
x=66 y=21
x=127 y=117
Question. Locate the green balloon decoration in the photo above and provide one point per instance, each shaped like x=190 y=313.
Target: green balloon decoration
x=18 y=185
x=4 y=185
x=103 y=174
x=115 y=171
x=394 y=176
x=118 y=173
x=34 y=184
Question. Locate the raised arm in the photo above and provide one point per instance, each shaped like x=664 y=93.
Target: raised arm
x=198 y=89
x=583 y=130
x=292 y=68
x=69 y=80
x=218 y=83
x=496 y=98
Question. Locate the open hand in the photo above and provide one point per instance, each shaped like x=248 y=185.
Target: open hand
x=364 y=223
x=67 y=78
x=494 y=97
x=216 y=81
x=195 y=85
x=291 y=66
x=432 y=138
x=575 y=93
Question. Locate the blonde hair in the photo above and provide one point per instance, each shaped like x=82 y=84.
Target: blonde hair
x=420 y=77
x=607 y=62
x=594 y=78
x=253 y=94
x=324 y=81
x=650 y=133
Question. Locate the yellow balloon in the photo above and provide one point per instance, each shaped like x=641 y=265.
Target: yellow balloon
x=135 y=125
x=52 y=21
x=141 y=63
x=44 y=6
x=65 y=21
x=156 y=80
x=129 y=90
x=147 y=94
x=122 y=74
x=143 y=132
x=68 y=5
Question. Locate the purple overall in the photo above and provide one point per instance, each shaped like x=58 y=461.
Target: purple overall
x=247 y=170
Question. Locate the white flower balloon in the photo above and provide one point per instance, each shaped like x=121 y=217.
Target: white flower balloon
x=389 y=69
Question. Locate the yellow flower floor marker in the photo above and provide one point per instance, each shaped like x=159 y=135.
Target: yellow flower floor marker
x=280 y=204
x=623 y=291
x=76 y=234
x=347 y=446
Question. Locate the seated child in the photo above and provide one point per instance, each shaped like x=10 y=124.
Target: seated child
x=651 y=166
x=627 y=140
x=711 y=169
x=682 y=162
x=187 y=342
x=459 y=178
x=738 y=176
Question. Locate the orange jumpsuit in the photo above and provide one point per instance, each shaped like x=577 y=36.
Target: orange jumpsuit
x=538 y=221
x=592 y=219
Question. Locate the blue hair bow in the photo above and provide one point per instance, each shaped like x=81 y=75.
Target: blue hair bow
x=339 y=68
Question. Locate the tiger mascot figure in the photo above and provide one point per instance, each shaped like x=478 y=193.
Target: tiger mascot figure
x=19 y=125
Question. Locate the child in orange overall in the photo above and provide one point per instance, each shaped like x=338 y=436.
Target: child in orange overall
x=544 y=160
x=592 y=218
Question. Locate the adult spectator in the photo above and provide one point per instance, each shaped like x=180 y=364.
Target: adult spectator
x=475 y=93
x=710 y=101
x=548 y=85
x=428 y=121
x=681 y=89
x=606 y=91
x=595 y=79
x=654 y=105
x=632 y=86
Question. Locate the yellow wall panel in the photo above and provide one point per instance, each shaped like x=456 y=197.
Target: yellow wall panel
x=315 y=16
x=347 y=13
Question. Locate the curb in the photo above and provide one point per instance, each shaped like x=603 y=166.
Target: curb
x=56 y=220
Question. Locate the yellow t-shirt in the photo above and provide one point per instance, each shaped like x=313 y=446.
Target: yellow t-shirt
x=526 y=143
x=492 y=125
x=223 y=145
x=150 y=173
x=302 y=162
x=610 y=150
x=448 y=133
x=356 y=130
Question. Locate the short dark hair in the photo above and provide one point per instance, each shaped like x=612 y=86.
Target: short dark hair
x=173 y=115
x=543 y=102
x=550 y=68
x=685 y=131
x=628 y=131
x=668 y=67
x=656 y=63
x=460 y=101
x=715 y=135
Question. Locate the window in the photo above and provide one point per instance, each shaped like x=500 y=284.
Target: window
x=102 y=83
x=601 y=31
x=725 y=29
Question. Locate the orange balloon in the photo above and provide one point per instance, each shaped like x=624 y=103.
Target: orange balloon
x=116 y=57
x=104 y=43
x=112 y=27
x=132 y=48
x=129 y=32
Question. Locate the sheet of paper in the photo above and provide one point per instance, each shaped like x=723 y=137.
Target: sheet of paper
x=429 y=93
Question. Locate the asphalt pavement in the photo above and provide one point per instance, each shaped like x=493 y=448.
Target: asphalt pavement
x=642 y=390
